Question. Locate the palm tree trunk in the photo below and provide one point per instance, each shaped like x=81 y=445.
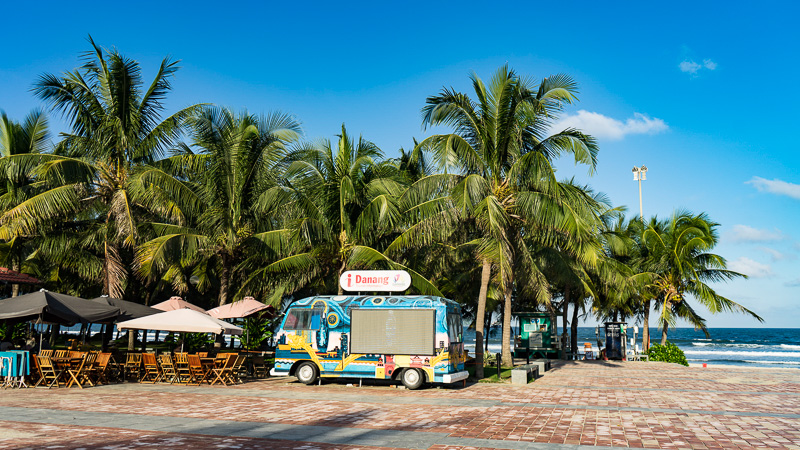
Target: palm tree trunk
x=15 y=287
x=486 y=273
x=341 y=271
x=573 y=327
x=224 y=281
x=508 y=360
x=646 y=327
x=564 y=314
x=664 y=334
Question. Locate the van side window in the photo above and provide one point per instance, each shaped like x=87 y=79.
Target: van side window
x=454 y=327
x=303 y=319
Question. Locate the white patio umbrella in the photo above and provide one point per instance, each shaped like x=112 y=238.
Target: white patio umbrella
x=181 y=321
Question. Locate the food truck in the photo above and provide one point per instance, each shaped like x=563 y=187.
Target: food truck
x=412 y=339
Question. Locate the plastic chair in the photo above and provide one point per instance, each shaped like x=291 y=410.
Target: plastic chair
x=588 y=352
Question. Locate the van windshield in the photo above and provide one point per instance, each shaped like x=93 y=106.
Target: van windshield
x=303 y=319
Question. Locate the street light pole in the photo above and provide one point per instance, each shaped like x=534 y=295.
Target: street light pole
x=640 y=174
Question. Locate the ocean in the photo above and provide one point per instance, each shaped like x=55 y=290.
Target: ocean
x=754 y=347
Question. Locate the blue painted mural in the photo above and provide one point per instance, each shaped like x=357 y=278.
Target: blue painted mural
x=317 y=330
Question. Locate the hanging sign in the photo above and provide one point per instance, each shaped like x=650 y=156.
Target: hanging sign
x=375 y=280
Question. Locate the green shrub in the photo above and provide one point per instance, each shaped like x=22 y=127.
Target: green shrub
x=667 y=353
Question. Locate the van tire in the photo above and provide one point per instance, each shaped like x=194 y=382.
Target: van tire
x=412 y=379
x=306 y=373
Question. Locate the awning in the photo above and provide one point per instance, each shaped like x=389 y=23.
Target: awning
x=127 y=310
x=243 y=308
x=175 y=303
x=181 y=321
x=55 y=308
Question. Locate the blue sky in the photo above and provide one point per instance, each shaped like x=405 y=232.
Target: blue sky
x=703 y=94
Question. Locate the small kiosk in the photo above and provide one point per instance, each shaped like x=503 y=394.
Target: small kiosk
x=616 y=338
x=537 y=337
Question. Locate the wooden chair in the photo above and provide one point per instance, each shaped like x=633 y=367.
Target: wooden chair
x=38 y=370
x=100 y=368
x=168 y=371
x=133 y=366
x=49 y=371
x=61 y=353
x=202 y=354
x=80 y=374
x=182 y=367
x=224 y=374
x=238 y=370
x=260 y=369
x=152 y=374
x=196 y=372
x=46 y=353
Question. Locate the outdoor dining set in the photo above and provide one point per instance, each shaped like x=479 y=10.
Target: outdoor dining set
x=57 y=368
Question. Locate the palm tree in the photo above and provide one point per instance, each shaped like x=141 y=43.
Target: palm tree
x=26 y=138
x=97 y=170
x=501 y=155
x=238 y=157
x=341 y=206
x=681 y=265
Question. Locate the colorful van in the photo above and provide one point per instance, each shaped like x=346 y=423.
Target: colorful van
x=413 y=339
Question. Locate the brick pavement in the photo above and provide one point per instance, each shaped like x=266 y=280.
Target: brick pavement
x=644 y=405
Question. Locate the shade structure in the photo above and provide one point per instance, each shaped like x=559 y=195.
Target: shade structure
x=127 y=310
x=53 y=307
x=12 y=276
x=175 y=303
x=236 y=310
x=181 y=321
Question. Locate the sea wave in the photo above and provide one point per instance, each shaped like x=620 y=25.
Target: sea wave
x=790 y=347
x=708 y=344
x=790 y=363
x=742 y=353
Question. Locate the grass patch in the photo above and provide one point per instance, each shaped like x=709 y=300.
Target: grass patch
x=490 y=374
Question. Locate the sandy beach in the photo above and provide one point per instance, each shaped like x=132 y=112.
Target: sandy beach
x=576 y=405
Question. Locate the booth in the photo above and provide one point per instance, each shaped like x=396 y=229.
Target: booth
x=616 y=338
x=537 y=336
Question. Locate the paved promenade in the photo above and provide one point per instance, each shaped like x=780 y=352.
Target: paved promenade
x=576 y=405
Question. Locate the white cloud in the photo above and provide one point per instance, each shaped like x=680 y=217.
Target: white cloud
x=600 y=126
x=743 y=233
x=689 y=66
x=776 y=186
x=775 y=255
x=751 y=268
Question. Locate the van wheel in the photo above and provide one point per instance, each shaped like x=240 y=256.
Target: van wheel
x=412 y=378
x=306 y=373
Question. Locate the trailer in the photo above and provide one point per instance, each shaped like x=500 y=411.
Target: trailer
x=413 y=339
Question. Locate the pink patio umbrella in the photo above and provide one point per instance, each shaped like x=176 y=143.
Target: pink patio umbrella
x=237 y=310
x=177 y=303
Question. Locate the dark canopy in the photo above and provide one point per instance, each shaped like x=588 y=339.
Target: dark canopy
x=127 y=310
x=55 y=308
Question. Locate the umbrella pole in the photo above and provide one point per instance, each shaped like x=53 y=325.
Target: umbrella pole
x=41 y=334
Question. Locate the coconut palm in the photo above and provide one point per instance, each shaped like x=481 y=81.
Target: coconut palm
x=101 y=169
x=236 y=158
x=341 y=207
x=680 y=266
x=31 y=136
x=501 y=155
